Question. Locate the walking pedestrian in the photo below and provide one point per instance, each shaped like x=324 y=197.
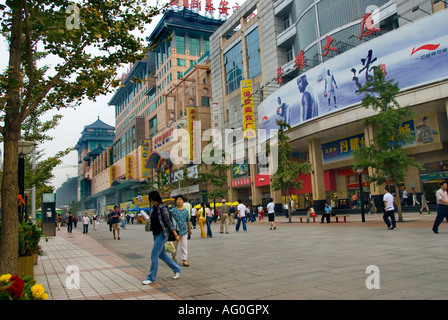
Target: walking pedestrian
x=389 y=210
x=161 y=226
x=327 y=213
x=208 y=220
x=271 y=214
x=202 y=219
x=372 y=207
x=59 y=220
x=123 y=219
x=414 y=197
x=260 y=212
x=424 y=204
x=193 y=217
x=225 y=210
x=182 y=218
x=95 y=220
x=405 y=197
x=442 y=206
x=241 y=208
x=109 y=219
x=85 y=223
x=69 y=222
x=232 y=214
x=115 y=221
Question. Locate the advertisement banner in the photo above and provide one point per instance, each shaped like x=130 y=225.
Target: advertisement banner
x=248 y=108
x=144 y=155
x=412 y=55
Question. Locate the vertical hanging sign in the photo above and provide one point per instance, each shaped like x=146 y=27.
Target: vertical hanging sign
x=248 y=108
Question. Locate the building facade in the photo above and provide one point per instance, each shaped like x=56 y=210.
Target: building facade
x=313 y=56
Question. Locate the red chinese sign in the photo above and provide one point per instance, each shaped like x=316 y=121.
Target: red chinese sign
x=224 y=8
x=368 y=27
x=179 y=3
x=240 y=182
x=328 y=47
x=279 y=78
x=300 y=60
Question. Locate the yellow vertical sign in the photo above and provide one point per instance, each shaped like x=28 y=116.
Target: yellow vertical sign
x=111 y=174
x=191 y=117
x=128 y=167
x=248 y=108
x=144 y=158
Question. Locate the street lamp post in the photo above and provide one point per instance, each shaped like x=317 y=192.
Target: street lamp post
x=361 y=193
x=25 y=147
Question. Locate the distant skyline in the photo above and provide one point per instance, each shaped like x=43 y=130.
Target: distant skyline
x=68 y=132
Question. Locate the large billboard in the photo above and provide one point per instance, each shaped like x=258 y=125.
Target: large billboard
x=413 y=55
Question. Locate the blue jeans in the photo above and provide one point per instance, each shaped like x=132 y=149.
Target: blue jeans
x=208 y=222
x=158 y=252
x=243 y=220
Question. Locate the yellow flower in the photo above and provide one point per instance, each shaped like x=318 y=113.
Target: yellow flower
x=38 y=292
x=5 y=277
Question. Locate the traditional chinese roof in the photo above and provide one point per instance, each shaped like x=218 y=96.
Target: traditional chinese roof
x=184 y=19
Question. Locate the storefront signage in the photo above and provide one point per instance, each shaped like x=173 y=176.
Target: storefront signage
x=240 y=182
x=403 y=55
x=262 y=180
x=424 y=128
x=341 y=149
x=160 y=140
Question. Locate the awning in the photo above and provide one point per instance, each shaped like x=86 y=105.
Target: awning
x=157 y=158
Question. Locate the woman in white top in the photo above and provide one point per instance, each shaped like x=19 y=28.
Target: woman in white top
x=271 y=214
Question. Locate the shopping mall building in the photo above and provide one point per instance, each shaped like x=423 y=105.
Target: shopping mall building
x=306 y=60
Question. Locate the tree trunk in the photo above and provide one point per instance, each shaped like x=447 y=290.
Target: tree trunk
x=289 y=205
x=9 y=240
x=397 y=196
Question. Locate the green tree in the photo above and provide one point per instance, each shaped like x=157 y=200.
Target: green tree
x=288 y=169
x=86 y=43
x=385 y=154
x=214 y=172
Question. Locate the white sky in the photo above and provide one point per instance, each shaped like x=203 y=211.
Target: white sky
x=67 y=133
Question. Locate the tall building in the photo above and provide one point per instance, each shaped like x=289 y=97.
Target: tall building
x=306 y=59
x=95 y=139
x=157 y=95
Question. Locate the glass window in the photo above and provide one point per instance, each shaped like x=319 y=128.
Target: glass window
x=195 y=49
x=181 y=62
x=306 y=30
x=253 y=54
x=233 y=66
x=206 y=46
x=180 y=45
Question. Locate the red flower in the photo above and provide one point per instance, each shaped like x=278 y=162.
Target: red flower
x=16 y=289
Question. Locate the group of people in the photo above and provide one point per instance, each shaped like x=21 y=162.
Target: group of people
x=442 y=207
x=72 y=220
x=175 y=225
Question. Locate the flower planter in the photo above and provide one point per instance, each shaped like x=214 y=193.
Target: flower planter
x=26 y=266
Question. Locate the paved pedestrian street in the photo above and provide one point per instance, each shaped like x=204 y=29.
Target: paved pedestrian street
x=298 y=261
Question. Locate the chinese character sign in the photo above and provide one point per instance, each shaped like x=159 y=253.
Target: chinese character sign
x=191 y=117
x=248 y=108
x=128 y=167
x=367 y=26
